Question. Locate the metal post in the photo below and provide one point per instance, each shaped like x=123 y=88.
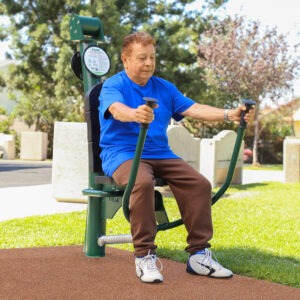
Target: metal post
x=236 y=150
x=136 y=160
x=88 y=31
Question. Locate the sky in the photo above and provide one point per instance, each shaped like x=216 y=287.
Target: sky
x=282 y=14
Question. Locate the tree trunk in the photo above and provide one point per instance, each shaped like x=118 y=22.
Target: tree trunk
x=255 y=161
x=37 y=123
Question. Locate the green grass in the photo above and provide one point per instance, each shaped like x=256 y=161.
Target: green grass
x=267 y=167
x=257 y=232
x=40 y=231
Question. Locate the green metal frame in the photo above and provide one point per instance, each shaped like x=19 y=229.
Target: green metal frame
x=88 y=31
x=85 y=29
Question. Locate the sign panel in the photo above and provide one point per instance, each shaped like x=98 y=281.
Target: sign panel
x=96 y=61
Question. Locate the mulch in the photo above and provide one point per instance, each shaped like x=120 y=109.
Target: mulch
x=66 y=273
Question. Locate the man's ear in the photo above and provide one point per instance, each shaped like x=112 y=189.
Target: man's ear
x=124 y=58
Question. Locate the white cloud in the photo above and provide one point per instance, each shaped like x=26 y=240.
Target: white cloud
x=281 y=14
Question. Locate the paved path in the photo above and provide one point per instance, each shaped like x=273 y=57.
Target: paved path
x=262 y=176
x=24 y=173
x=26 y=190
x=19 y=202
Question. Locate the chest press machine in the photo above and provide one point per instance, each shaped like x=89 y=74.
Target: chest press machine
x=105 y=198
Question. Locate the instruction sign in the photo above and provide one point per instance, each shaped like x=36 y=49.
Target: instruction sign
x=96 y=61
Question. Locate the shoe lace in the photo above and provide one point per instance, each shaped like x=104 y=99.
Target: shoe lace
x=208 y=258
x=150 y=261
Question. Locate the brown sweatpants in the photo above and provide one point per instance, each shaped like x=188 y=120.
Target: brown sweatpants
x=191 y=190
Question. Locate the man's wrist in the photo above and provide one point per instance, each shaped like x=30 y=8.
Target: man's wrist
x=226 y=117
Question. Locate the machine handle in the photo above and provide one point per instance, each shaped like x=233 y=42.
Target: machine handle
x=249 y=105
x=151 y=103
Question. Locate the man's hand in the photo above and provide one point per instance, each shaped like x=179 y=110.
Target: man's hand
x=234 y=115
x=144 y=114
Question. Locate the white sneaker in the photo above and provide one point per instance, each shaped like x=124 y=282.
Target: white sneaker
x=146 y=268
x=202 y=263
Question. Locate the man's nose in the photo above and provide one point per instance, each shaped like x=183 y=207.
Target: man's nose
x=148 y=62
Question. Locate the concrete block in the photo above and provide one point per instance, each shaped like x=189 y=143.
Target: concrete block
x=70 y=162
x=7 y=146
x=33 y=145
x=215 y=157
x=291 y=159
x=184 y=145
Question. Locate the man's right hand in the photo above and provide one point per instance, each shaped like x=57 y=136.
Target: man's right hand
x=144 y=114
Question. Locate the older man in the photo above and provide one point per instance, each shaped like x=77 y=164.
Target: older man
x=121 y=110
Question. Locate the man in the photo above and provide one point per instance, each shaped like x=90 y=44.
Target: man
x=121 y=110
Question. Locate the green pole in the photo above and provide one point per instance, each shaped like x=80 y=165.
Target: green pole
x=133 y=171
x=88 y=31
x=136 y=161
x=236 y=150
x=95 y=221
x=234 y=157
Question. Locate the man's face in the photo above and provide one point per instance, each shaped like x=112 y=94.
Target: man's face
x=140 y=64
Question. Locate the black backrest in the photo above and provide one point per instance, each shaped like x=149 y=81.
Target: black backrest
x=91 y=104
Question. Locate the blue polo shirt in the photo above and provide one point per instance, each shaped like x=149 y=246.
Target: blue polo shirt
x=118 y=139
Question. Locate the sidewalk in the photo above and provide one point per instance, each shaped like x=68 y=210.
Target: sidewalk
x=19 y=202
x=250 y=176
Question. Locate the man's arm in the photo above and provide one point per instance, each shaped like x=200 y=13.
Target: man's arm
x=210 y=113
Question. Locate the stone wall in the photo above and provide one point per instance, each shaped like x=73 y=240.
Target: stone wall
x=291 y=159
x=216 y=155
x=70 y=162
x=33 y=145
x=7 y=146
x=184 y=145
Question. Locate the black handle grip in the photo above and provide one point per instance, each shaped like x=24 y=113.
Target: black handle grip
x=249 y=104
x=151 y=103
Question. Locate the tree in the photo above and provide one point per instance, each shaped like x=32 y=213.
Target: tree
x=39 y=31
x=242 y=61
x=35 y=33
x=6 y=121
x=275 y=124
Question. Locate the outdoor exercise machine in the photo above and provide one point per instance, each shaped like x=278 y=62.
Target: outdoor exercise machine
x=105 y=197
